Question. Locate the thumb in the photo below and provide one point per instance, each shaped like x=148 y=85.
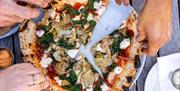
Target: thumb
x=141 y=36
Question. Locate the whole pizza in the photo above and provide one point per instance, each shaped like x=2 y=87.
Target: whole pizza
x=52 y=43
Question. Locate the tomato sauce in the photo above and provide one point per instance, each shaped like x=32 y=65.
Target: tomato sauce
x=51 y=71
x=78 y=5
x=130 y=33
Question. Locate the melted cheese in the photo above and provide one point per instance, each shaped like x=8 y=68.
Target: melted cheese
x=45 y=62
x=125 y=43
x=73 y=2
x=40 y=33
x=104 y=87
x=118 y=70
x=72 y=53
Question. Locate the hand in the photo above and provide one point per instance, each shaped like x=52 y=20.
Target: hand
x=126 y=2
x=155 y=25
x=11 y=12
x=19 y=77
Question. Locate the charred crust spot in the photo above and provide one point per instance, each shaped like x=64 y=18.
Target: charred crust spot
x=30 y=44
x=32 y=55
x=137 y=62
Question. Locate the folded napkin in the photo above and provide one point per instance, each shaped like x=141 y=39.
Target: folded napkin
x=167 y=64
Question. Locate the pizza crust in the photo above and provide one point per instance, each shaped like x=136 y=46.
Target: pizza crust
x=28 y=44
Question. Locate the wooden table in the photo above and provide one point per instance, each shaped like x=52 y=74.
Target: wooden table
x=12 y=42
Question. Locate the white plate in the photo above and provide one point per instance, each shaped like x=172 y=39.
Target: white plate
x=152 y=79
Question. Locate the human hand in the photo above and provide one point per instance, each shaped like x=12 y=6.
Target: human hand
x=20 y=77
x=155 y=25
x=126 y=2
x=11 y=12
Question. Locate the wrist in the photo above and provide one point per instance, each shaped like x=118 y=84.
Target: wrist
x=1 y=80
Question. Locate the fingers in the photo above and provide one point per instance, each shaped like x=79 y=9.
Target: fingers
x=32 y=70
x=35 y=79
x=6 y=23
x=38 y=87
x=11 y=18
x=125 y=2
x=25 y=12
x=41 y=3
x=118 y=2
x=21 y=66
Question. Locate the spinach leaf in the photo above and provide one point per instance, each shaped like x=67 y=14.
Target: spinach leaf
x=98 y=84
x=46 y=39
x=111 y=67
x=72 y=77
x=92 y=24
x=71 y=65
x=71 y=10
x=77 y=87
x=47 y=27
x=62 y=77
x=80 y=22
x=114 y=32
x=84 y=13
x=64 y=44
x=90 y=4
x=115 y=46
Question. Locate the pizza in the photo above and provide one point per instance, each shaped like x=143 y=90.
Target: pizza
x=52 y=43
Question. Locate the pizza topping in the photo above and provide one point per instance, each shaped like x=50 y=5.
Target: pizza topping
x=72 y=53
x=101 y=10
x=45 y=62
x=58 y=81
x=115 y=46
x=62 y=43
x=98 y=84
x=57 y=55
x=97 y=5
x=51 y=71
x=71 y=10
x=77 y=87
x=111 y=77
x=46 y=39
x=125 y=43
x=52 y=13
x=78 y=5
x=104 y=87
x=75 y=2
x=99 y=48
x=76 y=18
x=40 y=33
x=118 y=70
x=90 y=17
x=89 y=88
